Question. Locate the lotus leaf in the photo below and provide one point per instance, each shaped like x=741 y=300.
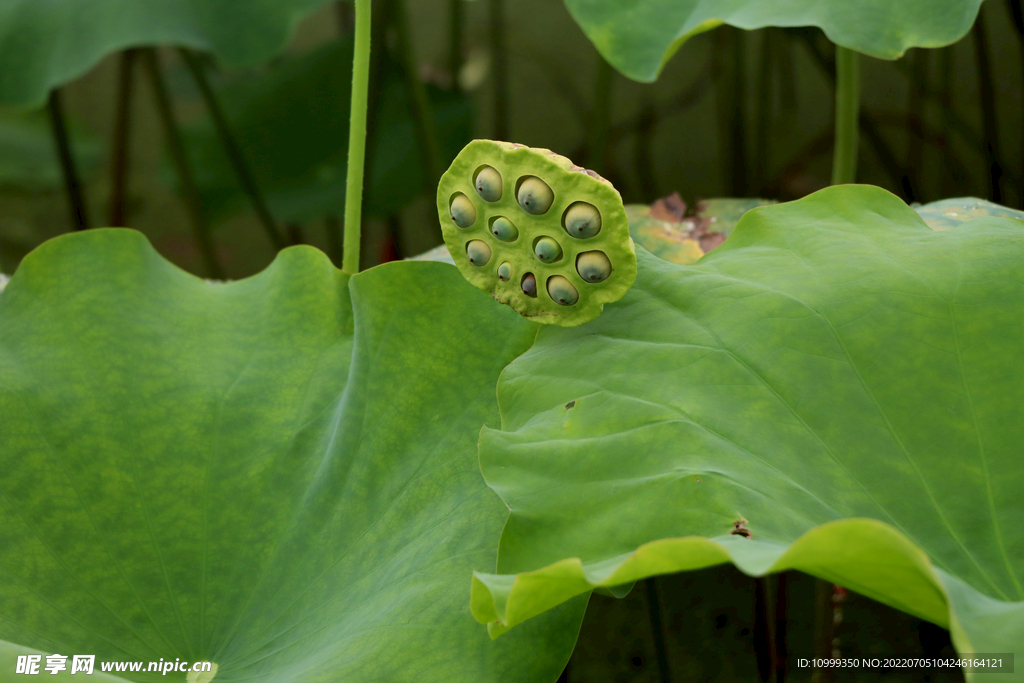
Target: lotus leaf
x=837 y=379
x=278 y=474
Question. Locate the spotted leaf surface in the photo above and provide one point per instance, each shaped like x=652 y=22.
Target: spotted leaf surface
x=536 y=232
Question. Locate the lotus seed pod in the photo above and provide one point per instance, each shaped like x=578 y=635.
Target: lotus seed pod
x=506 y=210
x=535 y=196
x=593 y=266
x=463 y=211
x=503 y=229
x=547 y=250
x=582 y=220
x=562 y=291
x=479 y=253
x=488 y=184
x=529 y=285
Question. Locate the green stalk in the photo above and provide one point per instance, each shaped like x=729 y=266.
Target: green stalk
x=357 y=138
x=765 y=78
x=497 y=11
x=844 y=158
x=72 y=183
x=602 y=114
x=455 y=25
x=989 y=123
x=182 y=166
x=423 y=118
x=657 y=630
x=122 y=138
x=234 y=152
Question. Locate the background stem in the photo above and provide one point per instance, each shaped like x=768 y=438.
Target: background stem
x=730 y=88
x=765 y=80
x=844 y=158
x=423 y=118
x=234 y=152
x=72 y=184
x=455 y=27
x=601 y=116
x=657 y=630
x=500 y=70
x=122 y=140
x=182 y=166
x=988 y=109
x=357 y=138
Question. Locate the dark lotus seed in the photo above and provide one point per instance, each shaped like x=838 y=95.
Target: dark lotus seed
x=488 y=184
x=529 y=285
x=535 y=196
x=547 y=250
x=593 y=266
x=503 y=229
x=561 y=291
x=582 y=220
x=479 y=253
x=505 y=271
x=463 y=211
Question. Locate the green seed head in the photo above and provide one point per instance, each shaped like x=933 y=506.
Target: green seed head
x=529 y=285
x=503 y=229
x=505 y=271
x=535 y=196
x=547 y=250
x=582 y=220
x=488 y=184
x=562 y=291
x=593 y=266
x=479 y=253
x=463 y=211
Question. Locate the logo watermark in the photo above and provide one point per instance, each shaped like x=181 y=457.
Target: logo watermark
x=31 y=665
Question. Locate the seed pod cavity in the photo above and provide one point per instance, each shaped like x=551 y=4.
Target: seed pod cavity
x=463 y=211
x=561 y=291
x=504 y=230
x=505 y=271
x=593 y=266
x=534 y=195
x=582 y=220
x=547 y=250
x=529 y=285
x=479 y=252
x=488 y=183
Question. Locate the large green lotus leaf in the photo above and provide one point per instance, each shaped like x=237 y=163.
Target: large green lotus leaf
x=837 y=379
x=949 y=213
x=637 y=37
x=291 y=123
x=46 y=44
x=279 y=474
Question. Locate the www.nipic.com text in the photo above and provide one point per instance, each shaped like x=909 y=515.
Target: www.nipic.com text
x=85 y=664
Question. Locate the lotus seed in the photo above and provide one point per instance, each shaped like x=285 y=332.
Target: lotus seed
x=593 y=266
x=562 y=291
x=547 y=250
x=463 y=211
x=535 y=196
x=505 y=271
x=504 y=230
x=488 y=184
x=529 y=285
x=479 y=252
x=582 y=220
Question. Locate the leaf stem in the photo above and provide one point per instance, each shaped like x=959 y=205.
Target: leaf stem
x=234 y=152
x=455 y=26
x=357 y=137
x=602 y=114
x=182 y=165
x=72 y=183
x=497 y=11
x=765 y=80
x=989 y=122
x=423 y=118
x=657 y=630
x=122 y=140
x=844 y=156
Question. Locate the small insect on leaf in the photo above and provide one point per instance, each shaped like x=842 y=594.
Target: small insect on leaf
x=739 y=528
